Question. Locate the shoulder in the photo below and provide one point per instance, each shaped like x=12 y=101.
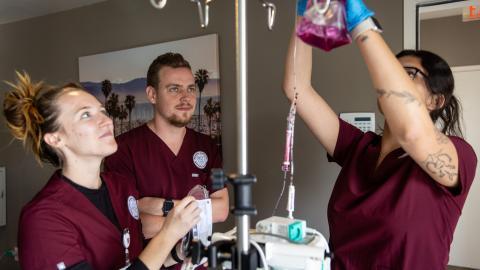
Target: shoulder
x=200 y=138
x=467 y=159
x=464 y=149
x=467 y=165
x=352 y=142
x=130 y=142
x=48 y=207
x=133 y=134
x=119 y=182
x=353 y=135
x=115 y=178
x=461 y=142
x=52 y=194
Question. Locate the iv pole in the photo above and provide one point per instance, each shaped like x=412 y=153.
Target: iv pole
x=242 y=181
x=242 y=221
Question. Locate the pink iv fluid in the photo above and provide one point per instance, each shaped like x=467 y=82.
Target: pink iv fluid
x=287 y=156
x=288 y=146
x=324 y=30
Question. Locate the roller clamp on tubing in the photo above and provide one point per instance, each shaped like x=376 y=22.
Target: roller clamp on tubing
x=368 y=24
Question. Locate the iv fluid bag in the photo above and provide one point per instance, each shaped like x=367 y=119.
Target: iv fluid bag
x=325 y=30
x=203 y=230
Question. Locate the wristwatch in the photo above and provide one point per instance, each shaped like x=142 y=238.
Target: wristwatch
x=369 y=24
x=167 y=206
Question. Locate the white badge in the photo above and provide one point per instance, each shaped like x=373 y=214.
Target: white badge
x=132 y=207
x=200 y=159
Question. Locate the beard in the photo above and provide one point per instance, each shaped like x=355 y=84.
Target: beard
x=179 y=121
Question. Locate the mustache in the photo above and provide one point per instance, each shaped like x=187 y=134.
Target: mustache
x=183 y=105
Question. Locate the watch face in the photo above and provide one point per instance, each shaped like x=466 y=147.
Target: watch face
x=167 y=206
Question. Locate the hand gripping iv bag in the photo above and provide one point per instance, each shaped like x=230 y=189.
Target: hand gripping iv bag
x=324 y=24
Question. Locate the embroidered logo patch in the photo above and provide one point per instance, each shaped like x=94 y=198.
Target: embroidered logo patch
x=132 y=207
x=200 y=159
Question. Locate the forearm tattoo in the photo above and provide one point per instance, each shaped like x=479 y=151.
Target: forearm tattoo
x=406 y=96
x=441 y=164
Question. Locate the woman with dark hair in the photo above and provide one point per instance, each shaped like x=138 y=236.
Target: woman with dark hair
x=440 y=82
x=82 y=218
x=399 y=195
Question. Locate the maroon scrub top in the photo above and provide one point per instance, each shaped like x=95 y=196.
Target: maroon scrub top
x=396 y=217
x=143 y=156
x=60 y=225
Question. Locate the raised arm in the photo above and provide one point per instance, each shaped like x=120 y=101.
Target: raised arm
x=311 y=107
x=405 y=105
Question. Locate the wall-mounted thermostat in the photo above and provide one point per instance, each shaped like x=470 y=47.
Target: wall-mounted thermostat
x=365 y=121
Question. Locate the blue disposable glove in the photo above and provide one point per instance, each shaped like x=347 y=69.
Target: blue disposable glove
x=301 y=7
x=357 y=12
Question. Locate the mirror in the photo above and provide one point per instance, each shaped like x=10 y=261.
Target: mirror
x=450 y=29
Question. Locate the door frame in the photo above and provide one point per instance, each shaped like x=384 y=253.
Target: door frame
x=411 y=8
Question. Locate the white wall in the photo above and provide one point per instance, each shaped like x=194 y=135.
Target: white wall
x=465 y=248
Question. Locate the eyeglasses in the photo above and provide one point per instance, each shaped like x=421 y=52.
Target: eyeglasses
x=413 y=71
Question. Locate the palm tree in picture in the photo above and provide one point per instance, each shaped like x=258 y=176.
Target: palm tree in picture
x=209 y=110
x=112 y=107
x=201 y=79
x=122 y=115
x=129 y=104
x=106 y=90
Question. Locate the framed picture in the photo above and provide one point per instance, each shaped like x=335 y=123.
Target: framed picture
x=118 y=80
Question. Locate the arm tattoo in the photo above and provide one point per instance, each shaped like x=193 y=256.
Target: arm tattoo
x=363 y=38
x=406 y=96
x=440 y=137
x=440 y=164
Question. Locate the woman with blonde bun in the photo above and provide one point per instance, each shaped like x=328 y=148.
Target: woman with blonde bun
x=82 y=218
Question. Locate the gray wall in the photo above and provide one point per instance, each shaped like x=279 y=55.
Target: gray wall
x=458 y=42
x=48 y=48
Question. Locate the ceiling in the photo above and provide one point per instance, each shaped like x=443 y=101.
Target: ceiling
x=17 y=10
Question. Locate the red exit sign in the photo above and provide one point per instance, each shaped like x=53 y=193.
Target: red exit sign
x=471 y=13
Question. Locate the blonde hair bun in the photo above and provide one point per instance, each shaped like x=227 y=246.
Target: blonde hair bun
x=23 y=117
